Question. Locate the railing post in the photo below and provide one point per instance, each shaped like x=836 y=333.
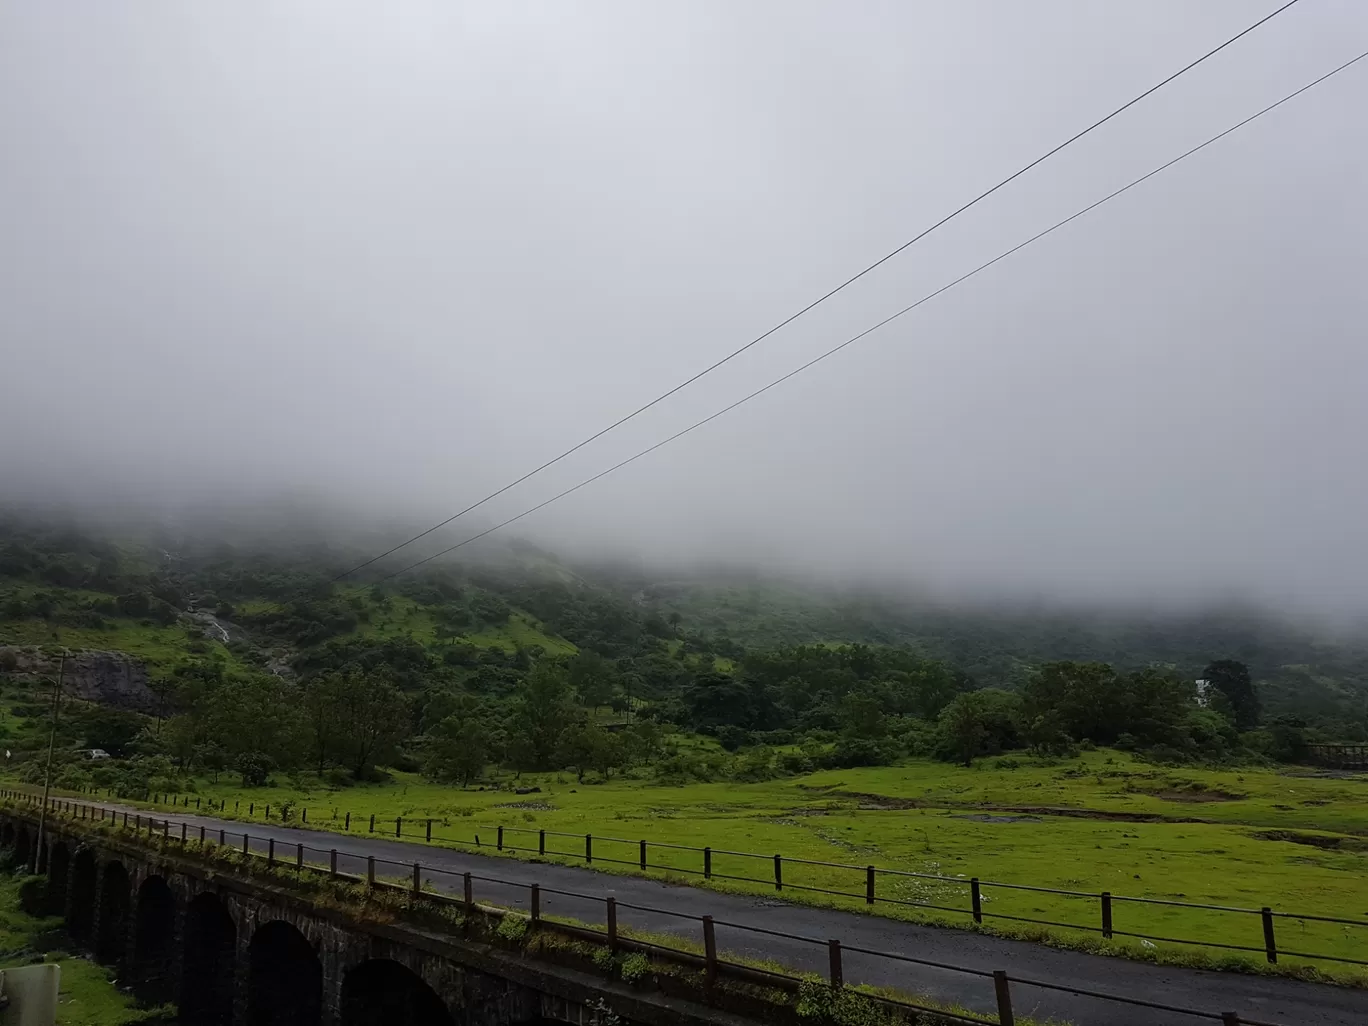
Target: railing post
x=1106 y=915
x=1230 y=1019
x=710 y=948
x=588 y=848
x=223 y=837
x=707 y=863
x=299 y=856
x=541 y=842
x=267 y=813
x=499 y=843
x=244 y=842
x=137 y=822
x=332 y=862
x=610 y=910
x=183 y=827
x=1004 y=999
x=469 y=893
x=1270 y=947
x=869 y=885
x=834 y=956
x=370 y=870
x=429 y=831
x=534 y=903
x=643 y=856
x=201 y=833
x=348 y=826
x=417 y=879
x=304 y=815
x=977 y=898
x=778 y=873
x=372 y=823
x=270 y=852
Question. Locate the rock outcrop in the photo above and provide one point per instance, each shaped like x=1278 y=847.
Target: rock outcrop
x=109 y=678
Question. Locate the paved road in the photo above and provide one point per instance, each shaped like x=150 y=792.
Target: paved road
x=1265 y=999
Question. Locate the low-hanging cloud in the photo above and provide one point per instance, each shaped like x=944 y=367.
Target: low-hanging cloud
x=393 y=261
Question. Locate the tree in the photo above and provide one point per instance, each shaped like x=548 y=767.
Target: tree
x=372 y=716
x=541 y=714
x=592 y=678
x=979 y=723
x=1232 y=682
x=586 y=746
x=459 y=746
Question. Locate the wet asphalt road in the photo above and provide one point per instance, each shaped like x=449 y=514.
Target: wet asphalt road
x=647 y=905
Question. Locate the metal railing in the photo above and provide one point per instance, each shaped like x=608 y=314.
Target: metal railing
x=648 y=856
x=300 y=858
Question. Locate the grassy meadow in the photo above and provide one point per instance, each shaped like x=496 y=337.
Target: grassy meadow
x=1294 y=841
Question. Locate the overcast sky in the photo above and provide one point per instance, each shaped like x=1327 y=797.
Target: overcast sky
x=395 y=255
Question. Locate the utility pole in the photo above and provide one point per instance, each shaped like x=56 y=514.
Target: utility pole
x=52 y=741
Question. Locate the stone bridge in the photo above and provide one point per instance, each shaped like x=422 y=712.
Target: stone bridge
x=230 y=949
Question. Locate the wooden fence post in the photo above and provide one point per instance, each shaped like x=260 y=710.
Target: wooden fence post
x=610 y=910
x=299 y=856
x=499 y=841
x=834 y=957
x=1270 y=947
x=429 y=831
x=372 y=823
x=1106 y=915
x=469 y=894
x=1230 y=1019
x=869 y=885
x=244 y=842
x=643 y=856
x=541 y=842
x=778 y=873
x=332 y=862
x=348 y=826
x=370 y=870
x=270 y=851
x=183 y=826
x=417 y=879
x=534 y=903
x=707 y=863
x=588 y=848
x=1004 y=999
x=398 y=825
x=977 y=898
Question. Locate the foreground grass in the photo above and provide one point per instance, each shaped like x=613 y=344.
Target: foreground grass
x=1232 y=838
x=88 y=996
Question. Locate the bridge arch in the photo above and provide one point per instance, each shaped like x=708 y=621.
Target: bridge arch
x=111 y=941
x=58 y=876
x=154 y=940
x=83 y=894
x=382 y=992
x=23 y=846
x=207 y=980
x=285 y=981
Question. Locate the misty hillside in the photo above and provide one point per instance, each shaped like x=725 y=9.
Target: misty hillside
x=171 y=600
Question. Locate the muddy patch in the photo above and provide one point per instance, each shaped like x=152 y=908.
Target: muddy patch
x=1328 y=842
x=1198 y=796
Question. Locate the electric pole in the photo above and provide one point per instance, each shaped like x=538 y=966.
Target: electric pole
x=52 y=741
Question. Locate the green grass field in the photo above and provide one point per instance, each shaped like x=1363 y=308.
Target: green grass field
x=1250 y=838
x=88 y=996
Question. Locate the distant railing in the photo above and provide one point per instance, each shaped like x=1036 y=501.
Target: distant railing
x=645 y=856
x=616 y=939
x=1339 y=756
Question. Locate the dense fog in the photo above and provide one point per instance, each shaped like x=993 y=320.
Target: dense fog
x=366 y=267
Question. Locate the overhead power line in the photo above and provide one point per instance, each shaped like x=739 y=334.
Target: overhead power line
x=887 y=320
x=821 y=299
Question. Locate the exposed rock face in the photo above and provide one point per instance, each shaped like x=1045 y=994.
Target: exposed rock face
x=110 y=678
